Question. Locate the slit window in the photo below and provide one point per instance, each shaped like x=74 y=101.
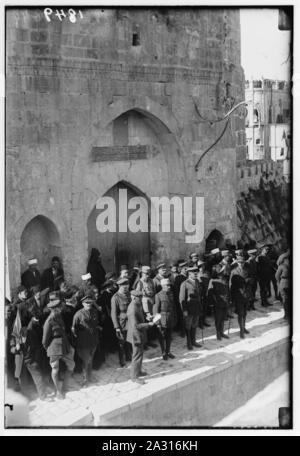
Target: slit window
x=135 y=39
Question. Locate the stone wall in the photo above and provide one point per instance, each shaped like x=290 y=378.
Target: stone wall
x=263 y=204
x=68 y=83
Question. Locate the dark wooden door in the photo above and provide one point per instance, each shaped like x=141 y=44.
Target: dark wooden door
x=120 y=247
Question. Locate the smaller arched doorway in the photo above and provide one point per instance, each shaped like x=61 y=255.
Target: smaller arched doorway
x=120 y=247
x=214 y=240
x=40 y=239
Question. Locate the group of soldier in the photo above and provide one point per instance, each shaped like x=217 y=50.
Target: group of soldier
x=54 y=328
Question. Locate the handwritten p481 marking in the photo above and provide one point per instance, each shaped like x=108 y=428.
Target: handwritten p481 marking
x=71 y=14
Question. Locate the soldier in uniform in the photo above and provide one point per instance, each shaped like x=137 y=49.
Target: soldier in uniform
x=273 y=261
x=264 y=272
x=190 y=300
x=203 y=277
x=165 y=306
x=137 y=327
x=58 y=347
x=182 y=276
x=110 y=341
x=146 y=286
x=161 y=274
x=194 y=257
x=85 y=329
x=119 y=305
x=218 y=292
x=283 y=280
x=252 y=271
x=239 y=294
x=34 y=354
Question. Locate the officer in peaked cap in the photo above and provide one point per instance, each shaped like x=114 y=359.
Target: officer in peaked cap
x=182 y=276
x=203 y=277
x=218 y=293
x=161 y=274
x=239 y=293
x=119 y=305
x=252 y=271
x=264 y=272
x=165 y=306
x=58 y=347
x=136 y=335
x=146 y=286
x=85 y=329
x=191 y=303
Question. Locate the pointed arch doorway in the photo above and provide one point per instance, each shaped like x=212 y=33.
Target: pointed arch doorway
x=120 y=248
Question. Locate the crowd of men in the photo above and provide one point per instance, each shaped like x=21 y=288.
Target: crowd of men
x=55 y=329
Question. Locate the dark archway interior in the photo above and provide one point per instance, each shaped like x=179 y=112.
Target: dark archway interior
x=214 y=240
x=40 y=239
x=118 y=248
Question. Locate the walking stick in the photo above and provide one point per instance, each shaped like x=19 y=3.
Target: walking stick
x=202 y=334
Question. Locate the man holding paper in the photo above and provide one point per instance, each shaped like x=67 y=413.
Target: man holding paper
x=136 y=334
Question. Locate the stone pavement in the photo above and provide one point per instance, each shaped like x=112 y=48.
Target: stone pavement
x=114 y=390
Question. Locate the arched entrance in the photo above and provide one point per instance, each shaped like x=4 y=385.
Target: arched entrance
x=214 y=240
x=40 y=239
x=119 y=248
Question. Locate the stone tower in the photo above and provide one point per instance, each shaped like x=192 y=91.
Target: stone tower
x=118 y=99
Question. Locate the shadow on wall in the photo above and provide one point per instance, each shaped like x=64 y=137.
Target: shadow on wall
x=40 y=239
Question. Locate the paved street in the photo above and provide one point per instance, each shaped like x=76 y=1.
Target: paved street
x=113 y=383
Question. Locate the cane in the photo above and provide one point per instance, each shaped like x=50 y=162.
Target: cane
x=202 y=334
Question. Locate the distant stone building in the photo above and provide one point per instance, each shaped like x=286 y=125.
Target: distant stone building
x=268 y=120
x=118 y=99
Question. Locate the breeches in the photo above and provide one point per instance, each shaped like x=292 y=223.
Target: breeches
x=67 y=358
x=191 y=321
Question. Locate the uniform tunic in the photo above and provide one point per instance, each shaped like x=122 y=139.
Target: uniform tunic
x=147 y=287
x=55 y=340
x=119 y=306
x=85 y=329
x=164 y=304
x=190 y=297
x=136 y=336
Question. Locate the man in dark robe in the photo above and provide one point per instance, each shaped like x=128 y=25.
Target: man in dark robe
x=52 y=276
x=96 y=269
x=31 y=277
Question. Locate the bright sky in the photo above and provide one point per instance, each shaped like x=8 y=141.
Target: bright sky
x=264 y=48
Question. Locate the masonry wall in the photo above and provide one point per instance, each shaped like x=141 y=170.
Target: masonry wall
x=67 y=84
x=263 y=204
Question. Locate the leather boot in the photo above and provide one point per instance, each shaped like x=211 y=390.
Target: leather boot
x=189 y=339
x=67 y=381
x=193 y=336
x=122 y=359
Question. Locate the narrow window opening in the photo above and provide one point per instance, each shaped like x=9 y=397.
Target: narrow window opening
x=135 y=39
